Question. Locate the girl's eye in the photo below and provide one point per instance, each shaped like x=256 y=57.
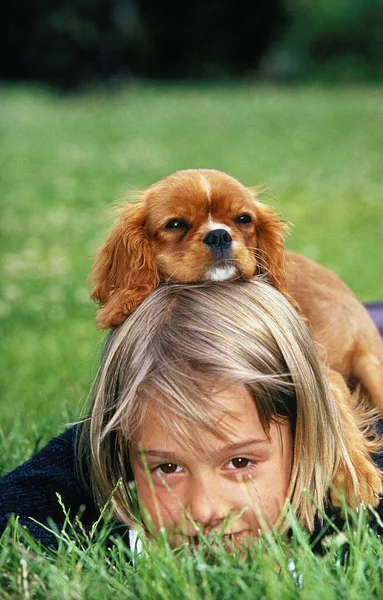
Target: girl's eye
x=168 y=468
x=239 y=463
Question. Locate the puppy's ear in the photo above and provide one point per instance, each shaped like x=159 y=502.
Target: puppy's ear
x=355 y=474
x=125 y=271
x=270 y=250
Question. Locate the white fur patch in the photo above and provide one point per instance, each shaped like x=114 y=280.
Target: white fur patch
x=211 y=225
x=205 y=186
x=221 y=273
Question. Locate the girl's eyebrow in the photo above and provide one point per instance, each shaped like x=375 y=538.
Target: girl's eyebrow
x=158 y=453
x=228 y=448
x=234 y=446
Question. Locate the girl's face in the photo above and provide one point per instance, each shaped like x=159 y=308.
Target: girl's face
x=241 y=477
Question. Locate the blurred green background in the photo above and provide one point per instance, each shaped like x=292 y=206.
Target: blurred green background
x=73 y=145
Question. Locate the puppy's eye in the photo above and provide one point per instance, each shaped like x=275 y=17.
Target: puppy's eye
x=244 y=219
x=177 y=224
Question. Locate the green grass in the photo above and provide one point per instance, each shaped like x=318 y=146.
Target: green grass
x=65 y=160
x=84 y=568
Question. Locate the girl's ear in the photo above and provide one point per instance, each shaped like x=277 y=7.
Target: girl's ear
x=270 y=246
x=125 y=271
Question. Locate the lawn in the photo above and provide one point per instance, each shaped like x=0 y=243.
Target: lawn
x=64 y=162
x=352 y=569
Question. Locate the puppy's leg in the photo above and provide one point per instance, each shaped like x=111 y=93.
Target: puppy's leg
x=368 y=483
x=368 y=369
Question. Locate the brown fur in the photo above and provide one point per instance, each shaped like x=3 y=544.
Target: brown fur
x=141 y=251
x=340 y=323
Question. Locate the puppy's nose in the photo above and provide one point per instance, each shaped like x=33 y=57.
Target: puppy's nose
x=219 y=241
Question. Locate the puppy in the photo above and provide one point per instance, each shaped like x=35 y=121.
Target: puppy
x=198 y=225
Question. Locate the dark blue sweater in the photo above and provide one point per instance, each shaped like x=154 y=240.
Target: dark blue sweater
x=30 y=491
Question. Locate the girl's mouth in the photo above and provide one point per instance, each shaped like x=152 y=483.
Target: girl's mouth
x=229 y=540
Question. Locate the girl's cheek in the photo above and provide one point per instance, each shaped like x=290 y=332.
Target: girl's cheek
x=170 y=508
x=163 y=510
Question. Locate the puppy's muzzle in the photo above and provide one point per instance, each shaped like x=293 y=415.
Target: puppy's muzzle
x=219 y=241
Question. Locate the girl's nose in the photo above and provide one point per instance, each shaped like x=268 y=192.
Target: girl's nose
x=209 y=504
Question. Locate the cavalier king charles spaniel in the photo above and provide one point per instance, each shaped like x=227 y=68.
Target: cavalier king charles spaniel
x=202 y=224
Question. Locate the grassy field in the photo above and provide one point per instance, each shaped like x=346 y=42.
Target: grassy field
x=65 y=160
x=352 y=569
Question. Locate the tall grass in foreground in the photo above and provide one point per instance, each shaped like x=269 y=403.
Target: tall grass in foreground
x=352 y=567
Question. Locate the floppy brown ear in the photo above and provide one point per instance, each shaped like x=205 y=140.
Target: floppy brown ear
x=125 y=271
x=270 y=251
x=355 y=475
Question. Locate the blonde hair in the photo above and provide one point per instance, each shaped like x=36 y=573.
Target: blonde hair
x=182 y=341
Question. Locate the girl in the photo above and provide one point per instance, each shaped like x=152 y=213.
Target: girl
x=212 y=398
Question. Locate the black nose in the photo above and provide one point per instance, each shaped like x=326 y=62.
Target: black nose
x=218 y=238
x=219 y=241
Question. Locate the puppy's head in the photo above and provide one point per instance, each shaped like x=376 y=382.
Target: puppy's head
x=193 y=225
